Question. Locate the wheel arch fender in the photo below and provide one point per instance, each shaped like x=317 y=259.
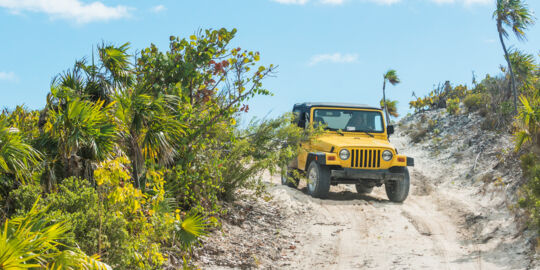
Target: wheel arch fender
x=318 y=157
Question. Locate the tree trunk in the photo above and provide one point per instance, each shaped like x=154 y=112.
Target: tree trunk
x=384 y=102
x=512 y=79
x=137 y=161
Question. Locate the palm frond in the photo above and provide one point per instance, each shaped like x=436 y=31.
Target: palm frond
x=33 y=241
x=16 y=156
x=515 y=15
x=191 y=229
x=392 y=77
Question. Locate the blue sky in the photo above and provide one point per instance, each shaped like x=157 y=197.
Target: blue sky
x=326 y=50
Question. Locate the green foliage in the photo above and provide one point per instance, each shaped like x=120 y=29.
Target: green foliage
x=190 y=229
x=391 y=106
x=34 y=241
x=474 y=102
x=392 y=77
x=131 y=144
x=515 y=15
x=452 y=106
x=265 y=145
x=438 y=98
x=17 y=157
x=530 y=192
x=528 y=123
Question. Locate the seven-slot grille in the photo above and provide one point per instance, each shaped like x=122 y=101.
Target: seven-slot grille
x=365 y=158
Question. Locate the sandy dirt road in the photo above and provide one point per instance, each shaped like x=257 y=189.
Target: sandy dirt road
x=440 y=226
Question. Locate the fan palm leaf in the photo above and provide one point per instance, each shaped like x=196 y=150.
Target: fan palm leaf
x=191 y=229
x=16 y=156
x=33 y=241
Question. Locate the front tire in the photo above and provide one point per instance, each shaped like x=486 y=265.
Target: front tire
x=318 y=180
x=397 y=191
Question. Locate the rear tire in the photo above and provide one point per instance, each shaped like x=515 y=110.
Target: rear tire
x=363 y=189
x=397 y=191
x=318 y=180
x=288 y=179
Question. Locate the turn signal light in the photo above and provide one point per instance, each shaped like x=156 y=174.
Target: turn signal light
x=331 y=157
x=401 y=159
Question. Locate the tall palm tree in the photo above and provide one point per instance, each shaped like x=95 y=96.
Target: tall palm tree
x=391 y=77
x=515 y=15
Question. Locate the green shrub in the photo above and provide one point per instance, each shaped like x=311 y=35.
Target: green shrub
x=76 y=202
x=530 y=192
x=474 y=102
x=452 y=106
x=32 y=241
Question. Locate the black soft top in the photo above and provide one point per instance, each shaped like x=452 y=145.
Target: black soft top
x=308 y=105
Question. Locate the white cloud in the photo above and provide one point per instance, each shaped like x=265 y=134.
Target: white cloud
x=158 y=8
x=7 y=76
x=68 y=9
x=333 y=58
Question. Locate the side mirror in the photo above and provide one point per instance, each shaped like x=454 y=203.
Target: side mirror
x=390 y=130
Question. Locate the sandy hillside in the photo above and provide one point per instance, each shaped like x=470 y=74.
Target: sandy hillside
x=458 y=214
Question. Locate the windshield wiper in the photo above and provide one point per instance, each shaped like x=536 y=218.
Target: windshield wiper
x=370 y=135
x=340 y=132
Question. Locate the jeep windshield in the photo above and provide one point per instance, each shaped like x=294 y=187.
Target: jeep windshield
x=348 y=120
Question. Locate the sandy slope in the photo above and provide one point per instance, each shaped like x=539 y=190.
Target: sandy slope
x=448 y=222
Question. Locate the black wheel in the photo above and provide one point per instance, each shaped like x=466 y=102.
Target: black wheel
x=363 y=189
x=318 y=180
x=397 y=191
x=288 y=179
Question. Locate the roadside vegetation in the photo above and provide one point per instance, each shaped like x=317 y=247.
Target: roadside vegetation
x=509 y=102
x=129 y=162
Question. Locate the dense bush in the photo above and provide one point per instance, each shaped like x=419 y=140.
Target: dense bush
x=34 y=240
x=474 y=102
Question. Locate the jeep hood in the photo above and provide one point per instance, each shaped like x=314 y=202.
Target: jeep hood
x=338 y=141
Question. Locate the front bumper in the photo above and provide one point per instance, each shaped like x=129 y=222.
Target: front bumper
x=348 y=175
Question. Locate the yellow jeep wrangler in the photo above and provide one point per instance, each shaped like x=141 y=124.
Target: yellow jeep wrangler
x=354 y=149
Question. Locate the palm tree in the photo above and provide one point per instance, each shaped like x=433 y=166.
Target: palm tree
x=17 y=158
x=148 y=129
x=391 y=106
x=525 y=69
x=83 y=133
x=515 y=15
x=392 y=77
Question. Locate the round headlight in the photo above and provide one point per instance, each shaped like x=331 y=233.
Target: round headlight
x=344 y=154
x=387 y=155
